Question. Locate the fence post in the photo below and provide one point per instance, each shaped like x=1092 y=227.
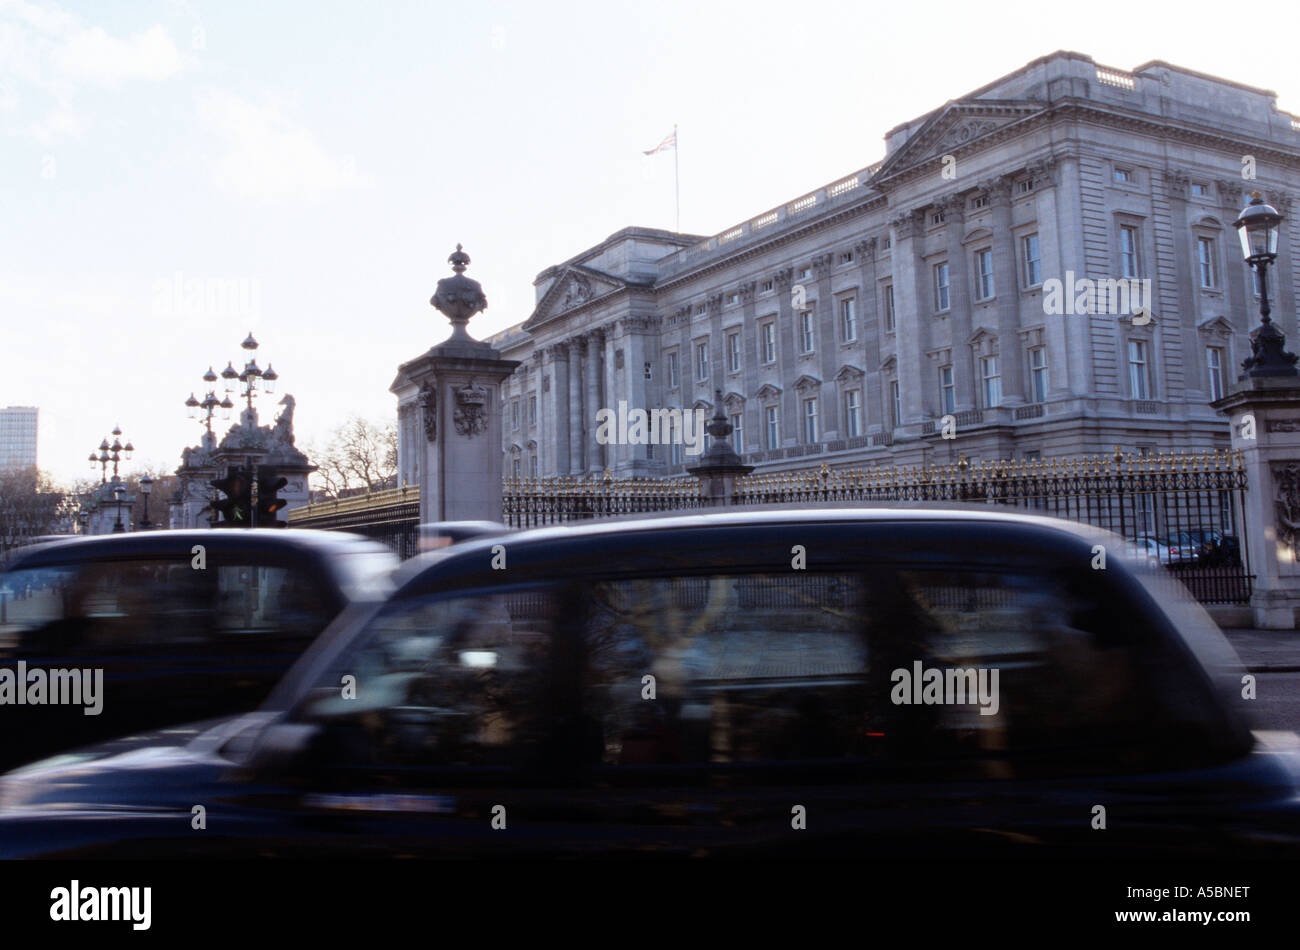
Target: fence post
x=721 y=466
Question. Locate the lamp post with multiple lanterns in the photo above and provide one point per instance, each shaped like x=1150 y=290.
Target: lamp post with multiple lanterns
x=248 y=382
x=209 y=405
x=251 y=377
x=111 y=453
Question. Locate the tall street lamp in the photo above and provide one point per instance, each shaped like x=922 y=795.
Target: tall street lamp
x=251 y=377
x=209 y=404
x=146 y=486
x=118 y=489
x=111 y=453
x=1258 y=227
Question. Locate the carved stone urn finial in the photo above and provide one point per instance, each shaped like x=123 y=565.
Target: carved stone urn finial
x=459 y=297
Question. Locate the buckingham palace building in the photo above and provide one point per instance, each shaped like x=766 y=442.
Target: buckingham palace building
x=1044 y=267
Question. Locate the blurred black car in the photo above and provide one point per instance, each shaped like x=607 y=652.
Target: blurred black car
x=183 y=625
x=1215 y=549
x=441 y=534
x=734 y=684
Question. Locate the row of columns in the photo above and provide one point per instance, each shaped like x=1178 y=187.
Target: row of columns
x=575 y=393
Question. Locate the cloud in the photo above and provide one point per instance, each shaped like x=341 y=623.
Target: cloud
x=57 y=127
x=269 y=156
x=48 y=57
x=93 y=55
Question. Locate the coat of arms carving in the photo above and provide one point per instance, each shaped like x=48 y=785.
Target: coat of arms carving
x=1287 y=502
x=470 y=417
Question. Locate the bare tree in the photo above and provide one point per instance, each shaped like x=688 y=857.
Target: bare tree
x=361 y=455
x=31 y=506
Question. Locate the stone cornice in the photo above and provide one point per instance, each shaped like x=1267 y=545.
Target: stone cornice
x=870 y=202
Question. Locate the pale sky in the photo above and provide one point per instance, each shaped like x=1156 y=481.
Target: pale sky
x=326 y=157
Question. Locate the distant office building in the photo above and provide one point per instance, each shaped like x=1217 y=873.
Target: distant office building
x=18 y=437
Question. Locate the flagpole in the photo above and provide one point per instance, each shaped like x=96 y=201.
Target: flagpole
x=677 y=180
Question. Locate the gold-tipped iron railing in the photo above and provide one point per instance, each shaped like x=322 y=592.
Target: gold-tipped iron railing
x=531 y=502
x=1009 y=481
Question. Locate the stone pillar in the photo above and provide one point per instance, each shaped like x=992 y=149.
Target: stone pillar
x=577 y=348
x=1006 y=288
x=828 y=349
x=914 y=309
x=871 y=318
x=461 y=382
x=593 y=454
x=787 y=355
x=959 y=308
x=1265 y=414
x=555 y=411
x=1186 y=268
x=638 y=342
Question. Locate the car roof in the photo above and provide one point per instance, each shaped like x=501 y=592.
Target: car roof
x=420 y=573
x=143 y=543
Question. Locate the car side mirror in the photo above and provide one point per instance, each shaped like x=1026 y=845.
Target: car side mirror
x=285 y=746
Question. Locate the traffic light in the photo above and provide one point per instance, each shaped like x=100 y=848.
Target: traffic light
x=237 y=507
x=269 y=481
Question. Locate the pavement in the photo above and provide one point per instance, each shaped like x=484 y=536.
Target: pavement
x=1267 y=651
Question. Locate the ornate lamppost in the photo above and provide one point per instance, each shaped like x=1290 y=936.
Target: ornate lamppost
x=251 y=377
x=1258 y=227
x=146 y=486
x=111 y=453
x=210 y=403
x=118 y=490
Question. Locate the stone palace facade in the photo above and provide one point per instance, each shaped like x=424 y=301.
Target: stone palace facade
x=940 y=302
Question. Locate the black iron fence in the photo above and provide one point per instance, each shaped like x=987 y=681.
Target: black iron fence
x=1182 y=510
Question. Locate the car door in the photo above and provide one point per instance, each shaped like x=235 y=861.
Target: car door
x=748 y=709
x=436 y=734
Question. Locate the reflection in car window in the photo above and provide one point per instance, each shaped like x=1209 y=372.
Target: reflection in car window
x=123 y=605
x=30 y=600
x=796 y=670
x=458 y=681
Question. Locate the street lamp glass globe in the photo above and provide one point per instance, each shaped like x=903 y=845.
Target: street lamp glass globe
x=1258 y=227
x=129 y=449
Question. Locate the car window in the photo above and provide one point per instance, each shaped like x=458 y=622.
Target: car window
x=125 y=605
x=257 y=599
x=991 y=674
x=442 y=681
x=30 y=599
x=731 y=669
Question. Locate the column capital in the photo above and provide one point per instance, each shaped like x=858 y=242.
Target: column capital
x=998 y=189
x=865 y=249
x=1176 y=183
x=1230 y=194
